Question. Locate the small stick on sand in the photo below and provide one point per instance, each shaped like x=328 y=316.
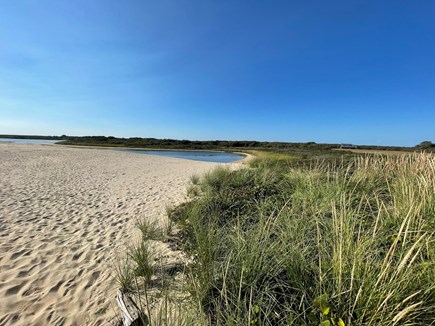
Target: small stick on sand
x=131 y=315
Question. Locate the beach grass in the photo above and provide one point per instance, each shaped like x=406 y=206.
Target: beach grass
x=312 y=242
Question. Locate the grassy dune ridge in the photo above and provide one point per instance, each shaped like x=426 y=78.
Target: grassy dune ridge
x=318 y=242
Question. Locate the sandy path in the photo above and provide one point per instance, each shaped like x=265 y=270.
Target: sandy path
x=64 y=212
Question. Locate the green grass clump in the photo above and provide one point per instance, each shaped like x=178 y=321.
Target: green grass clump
x=150 y=230
x=141 y=257
x=324 y=243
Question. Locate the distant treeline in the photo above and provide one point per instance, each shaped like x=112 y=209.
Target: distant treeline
x=155 y=143
x=190 y=144
x=34 y=137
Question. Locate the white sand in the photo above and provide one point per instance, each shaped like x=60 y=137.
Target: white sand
x=64 y=213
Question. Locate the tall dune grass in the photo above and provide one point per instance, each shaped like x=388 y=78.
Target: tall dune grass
x=285 y=242
x=348 y=243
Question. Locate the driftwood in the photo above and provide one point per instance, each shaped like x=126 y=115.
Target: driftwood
x=131 y=315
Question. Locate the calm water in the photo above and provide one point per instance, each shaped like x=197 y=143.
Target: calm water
x=218 y=157
x=32 y=141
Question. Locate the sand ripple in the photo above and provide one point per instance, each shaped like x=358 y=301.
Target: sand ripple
x=64 y=213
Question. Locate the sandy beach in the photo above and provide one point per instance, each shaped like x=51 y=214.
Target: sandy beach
x=65 y=213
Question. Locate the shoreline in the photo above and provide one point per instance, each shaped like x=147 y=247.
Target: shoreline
x=246 y=156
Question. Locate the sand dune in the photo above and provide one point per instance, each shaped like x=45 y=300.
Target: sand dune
x=64 y=213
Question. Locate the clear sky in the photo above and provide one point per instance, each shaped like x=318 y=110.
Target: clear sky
x=358 y=72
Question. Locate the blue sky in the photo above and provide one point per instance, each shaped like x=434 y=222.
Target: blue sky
x=358 y=72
